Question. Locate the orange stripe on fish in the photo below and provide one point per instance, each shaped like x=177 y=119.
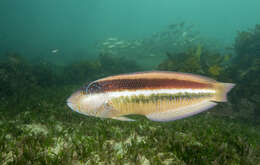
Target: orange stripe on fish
x=135 y=84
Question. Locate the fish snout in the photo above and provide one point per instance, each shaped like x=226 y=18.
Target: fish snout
x=73 y=100
x=72 y=106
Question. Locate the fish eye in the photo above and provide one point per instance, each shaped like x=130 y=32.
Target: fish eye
x=93 y=87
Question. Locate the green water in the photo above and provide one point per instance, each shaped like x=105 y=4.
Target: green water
x=50 y=49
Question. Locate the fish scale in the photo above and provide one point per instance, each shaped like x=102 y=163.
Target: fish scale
x=159 y=95
x=154 y=103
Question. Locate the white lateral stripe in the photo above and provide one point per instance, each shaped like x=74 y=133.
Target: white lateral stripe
x=159 y=91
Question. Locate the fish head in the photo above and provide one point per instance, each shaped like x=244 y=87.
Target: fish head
x=86 y=103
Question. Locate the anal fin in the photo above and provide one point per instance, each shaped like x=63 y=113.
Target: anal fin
x=122 y=118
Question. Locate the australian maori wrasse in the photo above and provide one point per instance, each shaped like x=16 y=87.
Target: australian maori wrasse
x=159 y=95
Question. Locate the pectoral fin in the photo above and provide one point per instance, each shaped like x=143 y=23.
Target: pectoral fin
x=111 y=112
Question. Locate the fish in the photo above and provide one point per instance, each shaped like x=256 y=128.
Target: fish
x=159 y=95
x=54 y=51
x=111 y=46
x=119 y=43
x=184 y=34
x=112 y=39
x=105 y=43
x=137 y=43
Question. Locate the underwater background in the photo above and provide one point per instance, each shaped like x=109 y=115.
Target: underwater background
x=50 y=48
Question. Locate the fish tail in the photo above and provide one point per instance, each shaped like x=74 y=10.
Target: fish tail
x=222 y=90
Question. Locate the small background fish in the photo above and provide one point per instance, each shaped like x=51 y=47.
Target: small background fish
x=54 y=51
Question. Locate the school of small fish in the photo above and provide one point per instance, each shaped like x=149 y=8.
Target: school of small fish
x=174 y=37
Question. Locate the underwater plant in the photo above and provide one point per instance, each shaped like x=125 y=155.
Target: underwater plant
x=115 y=65
x=198 y=60
x=191 y=63
x=82 y=71
x=36 y=126
x=88 y=70
x=247 y=43
x=51 y=137
x=245 y=70
x=21 y=81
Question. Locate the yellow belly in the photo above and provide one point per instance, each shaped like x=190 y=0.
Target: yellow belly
x=144 y=105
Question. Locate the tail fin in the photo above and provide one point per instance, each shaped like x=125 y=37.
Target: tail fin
x=222 y=90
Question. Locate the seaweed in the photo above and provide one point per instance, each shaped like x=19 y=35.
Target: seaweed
x=197 y=60
x=242 y=67
x=116 y=65
x=245 y=69
x=25 y=83
x=50 y=138
x=36 y=127
x=82 y=71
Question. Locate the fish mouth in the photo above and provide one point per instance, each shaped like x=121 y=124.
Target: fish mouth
x=71 y=106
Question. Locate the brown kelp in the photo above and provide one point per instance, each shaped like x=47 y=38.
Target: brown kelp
x=199 y=60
